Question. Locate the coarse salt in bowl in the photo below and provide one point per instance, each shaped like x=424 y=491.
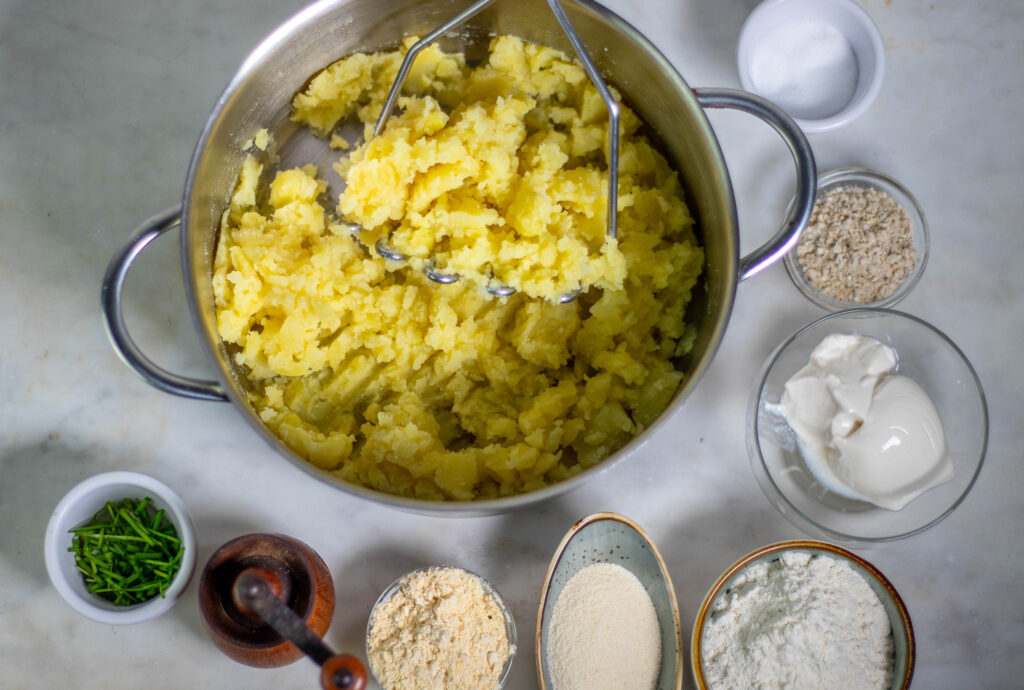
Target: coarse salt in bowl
x=77 y=507
x=822 y=61
x=903 y=643
x=925 y=355
x=854 y=176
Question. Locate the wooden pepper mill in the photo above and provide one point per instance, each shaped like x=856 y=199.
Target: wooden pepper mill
x=266 y=600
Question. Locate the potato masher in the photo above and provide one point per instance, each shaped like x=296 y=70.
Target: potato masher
x=430 y=270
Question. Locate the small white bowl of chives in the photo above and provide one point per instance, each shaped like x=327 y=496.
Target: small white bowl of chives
x=120 y=548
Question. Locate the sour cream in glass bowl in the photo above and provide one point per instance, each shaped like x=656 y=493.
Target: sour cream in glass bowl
x=924 y=355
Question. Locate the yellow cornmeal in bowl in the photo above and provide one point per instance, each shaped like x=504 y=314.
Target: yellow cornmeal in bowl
x=371 y=371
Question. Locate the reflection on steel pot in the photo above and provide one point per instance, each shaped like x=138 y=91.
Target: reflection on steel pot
x=259 y=96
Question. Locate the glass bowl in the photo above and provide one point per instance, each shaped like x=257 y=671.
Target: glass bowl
x=862 y=177
x=394 y=587
x=924 y=354
x=904 y=648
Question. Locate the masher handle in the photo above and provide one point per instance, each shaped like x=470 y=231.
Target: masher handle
x=614 y=113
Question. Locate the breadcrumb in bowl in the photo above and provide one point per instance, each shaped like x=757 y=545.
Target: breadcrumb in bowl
x=866 y=244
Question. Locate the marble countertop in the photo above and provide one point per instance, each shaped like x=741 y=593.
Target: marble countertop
x=102 y=105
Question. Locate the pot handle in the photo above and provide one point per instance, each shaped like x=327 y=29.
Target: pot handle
x=113 y=315
x=806 y=173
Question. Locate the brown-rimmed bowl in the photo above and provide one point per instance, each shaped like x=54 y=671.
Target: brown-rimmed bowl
x=899 y=618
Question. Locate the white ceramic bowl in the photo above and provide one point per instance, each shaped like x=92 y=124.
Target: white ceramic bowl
x=822 y=61
x=81 y=504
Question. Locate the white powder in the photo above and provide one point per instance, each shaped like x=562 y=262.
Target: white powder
x=604 y=630
x=798 y=622
x=806 y=68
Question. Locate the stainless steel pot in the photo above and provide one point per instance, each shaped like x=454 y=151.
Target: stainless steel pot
x=260 y=96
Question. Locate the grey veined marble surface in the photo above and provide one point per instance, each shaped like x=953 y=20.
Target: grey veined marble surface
x=100 y=107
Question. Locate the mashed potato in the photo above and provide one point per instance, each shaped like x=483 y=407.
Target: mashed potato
x=373 y=372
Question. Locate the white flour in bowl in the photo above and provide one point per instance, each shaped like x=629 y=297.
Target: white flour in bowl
x=799 y=621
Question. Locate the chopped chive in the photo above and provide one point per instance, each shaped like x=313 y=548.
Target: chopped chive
x=128 y=553
x=122 y=537
x=142 y=531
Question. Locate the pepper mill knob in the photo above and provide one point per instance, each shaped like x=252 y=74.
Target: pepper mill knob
x=296 y=575
x=343 y=672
